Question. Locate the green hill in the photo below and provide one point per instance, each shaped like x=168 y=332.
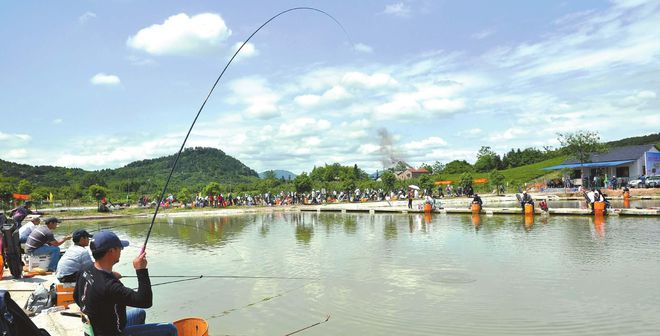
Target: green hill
x=640 y=140
x=196 y=167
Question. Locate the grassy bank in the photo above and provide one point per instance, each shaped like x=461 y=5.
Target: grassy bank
x=515 y=176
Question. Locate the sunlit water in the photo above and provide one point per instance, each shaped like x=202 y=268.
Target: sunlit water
x=403 y=274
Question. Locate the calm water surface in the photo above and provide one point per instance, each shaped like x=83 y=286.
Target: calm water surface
x=404 y=274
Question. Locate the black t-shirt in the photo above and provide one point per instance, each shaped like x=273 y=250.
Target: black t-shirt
x=103 y=298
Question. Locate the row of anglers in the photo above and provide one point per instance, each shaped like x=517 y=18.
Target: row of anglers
x=591 y=198
x=107 y=306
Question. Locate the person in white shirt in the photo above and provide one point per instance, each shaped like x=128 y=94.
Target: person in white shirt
x=75 y=259
x=26 y=229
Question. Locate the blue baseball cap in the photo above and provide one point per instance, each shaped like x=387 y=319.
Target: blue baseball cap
x=106 y=240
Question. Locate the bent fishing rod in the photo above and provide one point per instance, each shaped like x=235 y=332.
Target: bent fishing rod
x=178 y=155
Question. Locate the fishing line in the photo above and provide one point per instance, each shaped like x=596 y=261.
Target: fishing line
x=268 y=298
x=309 y=326
x=178 y=155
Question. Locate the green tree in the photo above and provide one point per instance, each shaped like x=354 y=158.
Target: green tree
x=97 y=192
x=270 y=174
x=213 y=188
x=465 y=180
x=458 y=167
x=70 y=193
x=388 y=180
x=426 y=183
x=24 y=187
x=184 y=196
x=438 y=167
x=6 y=191
x=581 y=144
x=400 y=166
x=496 y=180
x=40 y=193
x=427 y=167
x=487 y=160
x=93 y=178
x=303 y=183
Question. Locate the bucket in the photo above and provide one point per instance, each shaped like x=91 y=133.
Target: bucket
x=476 y=207
x=599 y=207
x=192 y=326
x=427 y=208
x=529 y=209
x=37 y=261
x=65 y=294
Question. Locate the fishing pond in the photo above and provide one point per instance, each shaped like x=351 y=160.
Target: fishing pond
x=404 y=274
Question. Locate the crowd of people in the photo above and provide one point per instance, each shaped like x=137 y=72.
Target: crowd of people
x=88 y=263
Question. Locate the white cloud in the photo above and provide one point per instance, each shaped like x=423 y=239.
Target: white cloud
x=638 y=98
x=86 y=17
x=508 y=134
x=426 y=144
x=366 y=149
x=363 y=48
x=470 y=133
x=181 y=35
x=588 y=42
x=397 y=9
x=307 y=100
x=377 y=80
x=402 y=105
x=14 y=137
x=105 y=79
x=334 y=94
x=303 y=126
x=248 y=51
x=14 y=154
x=260 y=100
x=443 y=105
x=57 y=121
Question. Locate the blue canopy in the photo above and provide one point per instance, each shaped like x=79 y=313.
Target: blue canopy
x=589 y=165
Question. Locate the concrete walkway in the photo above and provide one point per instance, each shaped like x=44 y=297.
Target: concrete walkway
x=55 y=323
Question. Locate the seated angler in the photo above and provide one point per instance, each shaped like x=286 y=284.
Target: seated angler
x=103 y=298
x=27 y=228
x=477 y=200
x=42 y=241
x=75 y=259
x=23 y=211
x=526 y=199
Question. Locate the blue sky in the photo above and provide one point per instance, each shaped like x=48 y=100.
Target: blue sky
x=99 y=84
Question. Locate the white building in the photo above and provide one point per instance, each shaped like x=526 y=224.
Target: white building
x=624 y=163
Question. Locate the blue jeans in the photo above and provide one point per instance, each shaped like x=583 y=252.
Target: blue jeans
x=135 y=325
x=54 y=252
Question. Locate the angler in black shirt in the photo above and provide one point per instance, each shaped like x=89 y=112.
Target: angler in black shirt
x=103 y=298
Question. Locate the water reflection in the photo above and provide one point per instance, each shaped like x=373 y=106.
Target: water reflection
x=599 y=225
x=528 y=221
x=304 y=229
x=476 y=221
x=390 y=230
